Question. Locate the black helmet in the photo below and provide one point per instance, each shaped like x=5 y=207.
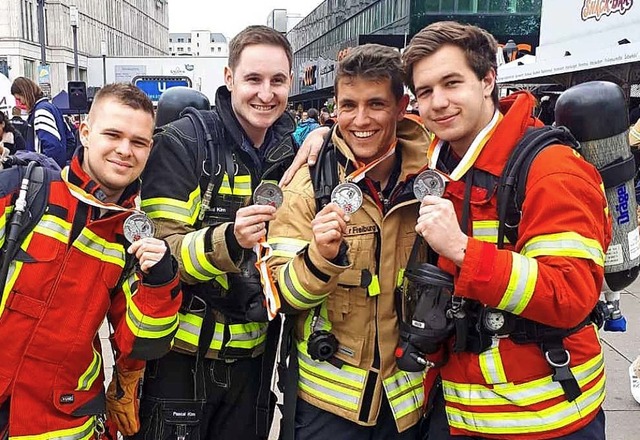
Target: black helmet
x=176 y=99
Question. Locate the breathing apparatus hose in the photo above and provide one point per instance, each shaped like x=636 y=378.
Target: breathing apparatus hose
x=15 y=225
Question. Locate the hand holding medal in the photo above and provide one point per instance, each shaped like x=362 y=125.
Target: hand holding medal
x=138 y=229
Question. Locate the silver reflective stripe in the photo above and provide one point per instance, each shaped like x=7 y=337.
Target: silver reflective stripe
x=101 y=248
x=286 y=249
x=553 y=417
x=522 y=282
x=331 y=371
x=352 y=400
x=291 y=292
x=491 y=364
x=155 y=328
x=405 y=392
x=53 y=226
x=548 y=247
x=521 y=394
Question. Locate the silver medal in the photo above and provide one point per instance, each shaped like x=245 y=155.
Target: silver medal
x=268 y=193
x=428 y=183
x=347 y=196
x=137 y=226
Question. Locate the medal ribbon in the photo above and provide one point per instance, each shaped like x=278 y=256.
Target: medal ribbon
x=472 y=153
x=272 y=300
x=90 y=199
x=362 y=169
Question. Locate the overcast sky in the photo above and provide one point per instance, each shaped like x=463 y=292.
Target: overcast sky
x=229 y=16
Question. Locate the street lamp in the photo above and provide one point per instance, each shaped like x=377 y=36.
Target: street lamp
x=73 y=15
x=103 y=51
x=510 y=50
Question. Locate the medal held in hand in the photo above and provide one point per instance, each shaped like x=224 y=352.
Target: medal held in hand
x=137 y=226
x=428 y=183
x=268 y=193
x=347 y=196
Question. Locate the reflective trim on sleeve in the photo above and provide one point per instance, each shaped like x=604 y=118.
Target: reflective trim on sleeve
x=564 y=244
x=3 y=223
x=91 y=244
x=241 y=186
x=164 y=207
x=92 y=372
x=194 y=258
x=405 y=392
x=141 y=325
x=491 y=364
x=286 y=247
x=522 y=282
x=85 y=431
x=189 y=331
x=248 y=335
x=487 y=231
x=293 y=292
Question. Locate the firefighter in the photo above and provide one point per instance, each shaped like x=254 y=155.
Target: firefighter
x=336 y=269
x=198 y=194
x=89 y=256
x=530 y=364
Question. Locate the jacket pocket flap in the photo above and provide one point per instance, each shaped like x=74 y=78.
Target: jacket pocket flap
x=350 y=278
x=79 y=403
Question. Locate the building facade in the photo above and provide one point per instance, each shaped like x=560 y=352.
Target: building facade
x=199 y=43
x=111 y=28
x=322 y=37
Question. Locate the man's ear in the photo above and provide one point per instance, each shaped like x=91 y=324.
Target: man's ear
x=84 y=131
x=489 y=82
x=228 y=78
x=402 y=104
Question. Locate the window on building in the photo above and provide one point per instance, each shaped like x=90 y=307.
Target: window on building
x=219 y=49
x=213 y=49
x=189 y=49
x=170 y=40
x=180 y=40
x=189 y=40
x=181 y=49
x=29 y=69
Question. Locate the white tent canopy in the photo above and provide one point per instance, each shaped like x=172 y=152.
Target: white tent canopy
x=6 y=99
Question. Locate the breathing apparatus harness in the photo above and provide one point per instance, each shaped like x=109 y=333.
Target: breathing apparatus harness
x=475 y=325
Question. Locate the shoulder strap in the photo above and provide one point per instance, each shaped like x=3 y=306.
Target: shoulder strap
x=512 y=183
x=324 y=174
x=208 y=130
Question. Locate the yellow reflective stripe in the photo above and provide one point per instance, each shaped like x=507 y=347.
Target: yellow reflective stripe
x=374 y=288
x=400 y=277
x=164 y=207
x=286 y=247
x=91 y=244
x=91 y=374
x=328 y=391
x=604 y=194
x=15 y=267
x=3 y=223
x=522 y=422
x=241 y=186
x=84 y=432
x=190 y=327
x=54 y=227
x=564 y=244
x=522 y=282
x=322 y=322
x=347 y=376
x=248 y=335
x=194 y=258
x=523 y=394
x=491 y=364
x=142 y=325
x=487 y=230
x=405 y=392
x=293 y=292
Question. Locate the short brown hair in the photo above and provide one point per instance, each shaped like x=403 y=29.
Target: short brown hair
x=29 y=90
x=373 y=62
x=257 y=34
x=478 y=45
x=126 y=94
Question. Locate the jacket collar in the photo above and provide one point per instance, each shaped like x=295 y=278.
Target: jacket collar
x=413 y=142
x=517 y=109
x=87 y=186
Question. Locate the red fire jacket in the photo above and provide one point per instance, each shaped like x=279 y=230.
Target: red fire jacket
x=552 y=275
x=66 y=279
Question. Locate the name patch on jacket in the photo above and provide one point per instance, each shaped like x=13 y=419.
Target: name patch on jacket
x=361 y=229
x=67 y=399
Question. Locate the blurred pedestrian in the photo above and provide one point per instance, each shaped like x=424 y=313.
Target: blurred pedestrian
x=18 y=122
x=10 y=138
x=307 y=125
x=48 y=133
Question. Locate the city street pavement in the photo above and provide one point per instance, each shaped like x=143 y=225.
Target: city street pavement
x=620 y=349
